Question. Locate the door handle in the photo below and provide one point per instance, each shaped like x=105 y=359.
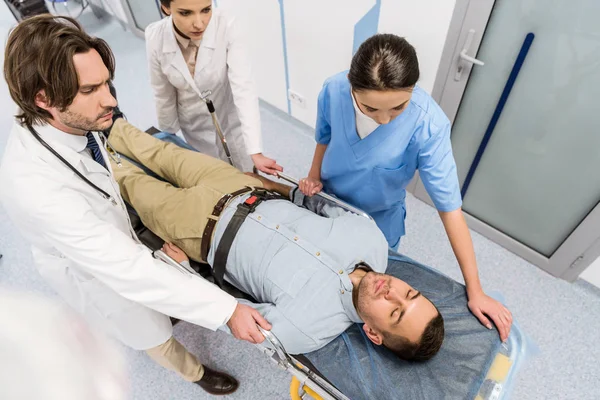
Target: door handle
x=463 y=55
x=464 y=58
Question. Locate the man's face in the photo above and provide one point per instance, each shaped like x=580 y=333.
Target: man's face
x=91 y=109
x=388 y=304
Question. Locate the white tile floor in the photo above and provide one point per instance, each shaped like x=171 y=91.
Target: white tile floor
x=562 y=318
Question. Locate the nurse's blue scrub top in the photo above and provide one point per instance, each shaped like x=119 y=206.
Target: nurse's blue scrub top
x=372 y=173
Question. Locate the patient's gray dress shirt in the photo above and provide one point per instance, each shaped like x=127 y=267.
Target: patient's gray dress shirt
x=295 y=263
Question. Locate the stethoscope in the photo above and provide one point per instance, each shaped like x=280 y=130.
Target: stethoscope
x=110 y=150
x=117 y=159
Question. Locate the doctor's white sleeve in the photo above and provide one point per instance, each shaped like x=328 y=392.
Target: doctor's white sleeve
x=243 y=88
x=114 y=258
x=165 y=94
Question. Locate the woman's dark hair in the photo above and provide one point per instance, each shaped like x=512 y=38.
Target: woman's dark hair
x=166 y=3
x=384 y=62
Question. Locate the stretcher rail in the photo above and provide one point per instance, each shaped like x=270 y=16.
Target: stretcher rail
x=304 y=375
x=274 y=349
x=161 y=255
x=335 y=200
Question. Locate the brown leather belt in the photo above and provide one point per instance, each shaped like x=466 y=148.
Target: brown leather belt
x=213 y=218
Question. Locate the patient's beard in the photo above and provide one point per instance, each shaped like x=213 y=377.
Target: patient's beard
x=358 y=295
x=355 y=295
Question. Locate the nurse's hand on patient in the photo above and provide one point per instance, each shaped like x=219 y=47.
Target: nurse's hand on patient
x=175 y=252
x=483 y=305
x=310 y=186
x=243 y=324
x=266 y=164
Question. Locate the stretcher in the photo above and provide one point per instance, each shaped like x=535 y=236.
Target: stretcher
x=472 y=363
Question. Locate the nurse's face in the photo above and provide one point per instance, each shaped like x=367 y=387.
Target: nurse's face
x=191 y=17
x=382 y=106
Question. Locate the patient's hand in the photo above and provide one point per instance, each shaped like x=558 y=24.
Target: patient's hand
x=482 y=305
x=175 y=252
x=270 y=185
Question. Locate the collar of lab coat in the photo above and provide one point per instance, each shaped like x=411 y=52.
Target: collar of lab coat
x=67 y=145
x=53 y=135
x=205 y=51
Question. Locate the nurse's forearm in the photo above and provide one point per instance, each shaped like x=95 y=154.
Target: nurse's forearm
x=462 y=245
x=315 y=169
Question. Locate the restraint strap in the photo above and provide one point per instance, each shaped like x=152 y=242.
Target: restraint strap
x=212 y=221
x=243 y=209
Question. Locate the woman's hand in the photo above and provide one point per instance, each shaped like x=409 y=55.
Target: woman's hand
x=482 y=305
x=175 y=252
x=266 y=164
x=310 y=186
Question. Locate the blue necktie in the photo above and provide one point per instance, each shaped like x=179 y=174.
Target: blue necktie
x=93 y=145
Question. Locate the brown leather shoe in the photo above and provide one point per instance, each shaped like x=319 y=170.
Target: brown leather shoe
x=217 y=383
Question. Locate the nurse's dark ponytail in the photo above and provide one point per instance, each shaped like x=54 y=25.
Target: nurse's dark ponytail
x=384 y=62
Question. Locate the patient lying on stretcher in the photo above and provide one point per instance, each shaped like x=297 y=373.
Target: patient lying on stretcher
x=313 y=276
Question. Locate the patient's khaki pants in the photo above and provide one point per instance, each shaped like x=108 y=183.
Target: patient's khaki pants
x=177 y=214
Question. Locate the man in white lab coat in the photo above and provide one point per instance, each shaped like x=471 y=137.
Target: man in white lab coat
x=57 y=187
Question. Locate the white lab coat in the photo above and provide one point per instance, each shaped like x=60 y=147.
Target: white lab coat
x=223 y=68
x=83 y=244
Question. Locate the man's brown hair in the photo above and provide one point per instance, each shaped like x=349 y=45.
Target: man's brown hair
x=429 y=344
x=39 y=56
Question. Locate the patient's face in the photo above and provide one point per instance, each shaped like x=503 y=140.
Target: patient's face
x=388 y=304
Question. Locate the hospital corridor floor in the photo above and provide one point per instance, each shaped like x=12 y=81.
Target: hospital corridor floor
x=561 y=318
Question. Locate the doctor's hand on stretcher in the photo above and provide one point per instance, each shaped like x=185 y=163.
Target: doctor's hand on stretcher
x=266 y=164
x=244 y=319
x=310 y=186
x=243 y=323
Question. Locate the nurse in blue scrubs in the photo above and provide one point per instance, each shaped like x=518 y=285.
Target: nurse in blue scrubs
x=375 y=128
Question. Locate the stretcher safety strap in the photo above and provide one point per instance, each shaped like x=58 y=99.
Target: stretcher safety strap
x=243 y=209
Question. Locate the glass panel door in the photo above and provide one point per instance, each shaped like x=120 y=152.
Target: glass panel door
x=537 y=178
x=526 y=136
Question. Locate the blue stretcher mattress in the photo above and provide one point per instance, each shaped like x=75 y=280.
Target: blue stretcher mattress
x=362 y=370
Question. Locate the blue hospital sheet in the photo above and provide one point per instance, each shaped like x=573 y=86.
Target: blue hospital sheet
x=362 y=370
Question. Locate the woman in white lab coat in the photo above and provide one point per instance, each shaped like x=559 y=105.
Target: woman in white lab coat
x=193 y=50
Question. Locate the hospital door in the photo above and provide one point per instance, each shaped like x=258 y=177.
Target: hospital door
x=520 y=80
